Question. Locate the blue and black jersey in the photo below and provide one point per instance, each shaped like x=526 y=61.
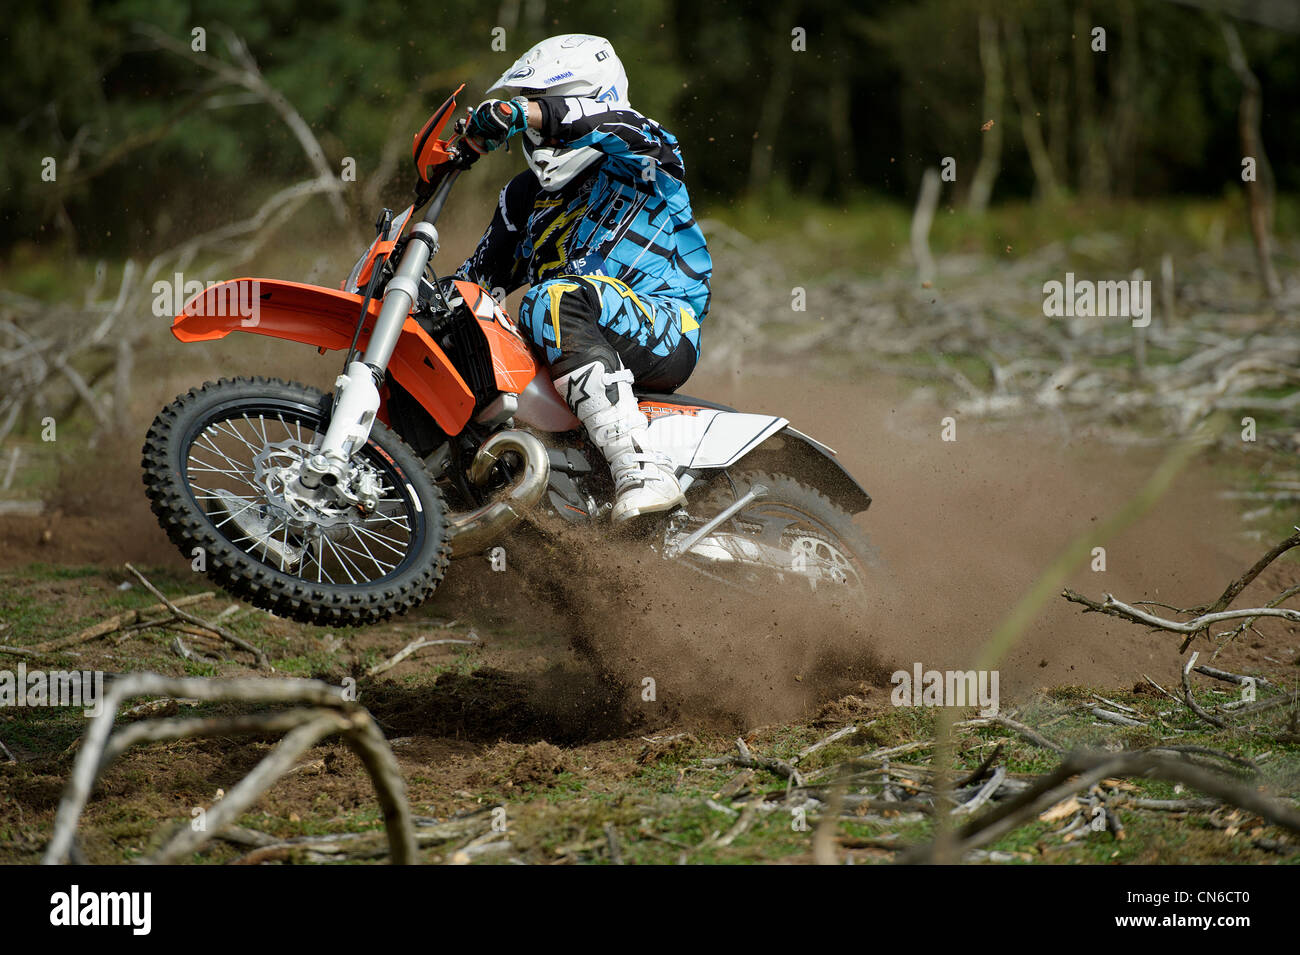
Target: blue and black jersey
x=627 y=217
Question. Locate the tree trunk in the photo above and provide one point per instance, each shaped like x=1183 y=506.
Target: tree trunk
x=1030 y=128
x=986 y=173
x=838 y=111
x=922 y=218
x=1094 y=177
x=761 y=160
x=1058 y=117
x=1128 y=83
x=1260 y=190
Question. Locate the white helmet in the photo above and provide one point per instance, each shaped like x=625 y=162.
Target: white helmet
x=573 y=64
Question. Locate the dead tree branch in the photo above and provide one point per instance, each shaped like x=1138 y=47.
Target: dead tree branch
x=127 y=618
x=409 y=649
x=322 y=711
x=1080 y=771
x=244 y=72
x=214 y=628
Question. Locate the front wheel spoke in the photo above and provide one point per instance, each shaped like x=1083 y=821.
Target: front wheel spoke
x=320 y=564
x=400 y=522
x=355 y=553
x=367 y=550
x=324 y=543
x=239 y=465
x=231 y=515
x=389 y=542
x=225 y=427
x=260 y=427
x=213 y=469
x=288 y=431
x=311 y=547
x=342 y=561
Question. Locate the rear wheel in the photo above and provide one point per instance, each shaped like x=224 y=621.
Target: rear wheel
x=791 y=534
x=219 y=464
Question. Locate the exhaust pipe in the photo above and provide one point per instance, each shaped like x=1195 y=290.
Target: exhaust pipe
x=471 y=533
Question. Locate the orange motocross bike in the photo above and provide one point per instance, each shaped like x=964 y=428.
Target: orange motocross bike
x=444 y=431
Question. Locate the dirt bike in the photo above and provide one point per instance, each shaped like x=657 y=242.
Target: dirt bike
x=443 y=432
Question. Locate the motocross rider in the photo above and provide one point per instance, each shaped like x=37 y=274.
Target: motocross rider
x=600 y=226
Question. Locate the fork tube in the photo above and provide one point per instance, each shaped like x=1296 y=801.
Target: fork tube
x=403 y=289
x=358 y=387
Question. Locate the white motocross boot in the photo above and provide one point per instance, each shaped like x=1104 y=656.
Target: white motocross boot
x=644 y=479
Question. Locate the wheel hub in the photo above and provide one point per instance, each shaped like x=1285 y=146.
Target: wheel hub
x=277 y=470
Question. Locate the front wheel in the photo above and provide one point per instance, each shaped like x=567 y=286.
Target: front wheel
x=791 y=534
x=219 y=469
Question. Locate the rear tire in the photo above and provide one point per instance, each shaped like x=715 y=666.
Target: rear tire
x=167 y=462
x=823 y=532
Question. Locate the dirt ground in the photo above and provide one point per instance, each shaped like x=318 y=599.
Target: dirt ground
x=554 y=688
x=962 y=529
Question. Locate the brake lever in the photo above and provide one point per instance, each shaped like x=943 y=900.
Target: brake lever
x=477 y=147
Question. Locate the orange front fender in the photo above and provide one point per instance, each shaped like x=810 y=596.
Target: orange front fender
x=326 y=318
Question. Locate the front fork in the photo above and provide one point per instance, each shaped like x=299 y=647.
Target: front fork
x=358 y=387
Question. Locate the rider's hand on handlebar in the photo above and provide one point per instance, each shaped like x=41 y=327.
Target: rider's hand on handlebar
x=494 y=121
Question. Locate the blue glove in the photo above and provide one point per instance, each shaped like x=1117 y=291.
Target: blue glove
x=495 y=120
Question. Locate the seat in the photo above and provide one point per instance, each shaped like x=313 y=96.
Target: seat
x=677 y=399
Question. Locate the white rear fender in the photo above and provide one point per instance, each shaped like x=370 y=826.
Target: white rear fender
x=704 y=438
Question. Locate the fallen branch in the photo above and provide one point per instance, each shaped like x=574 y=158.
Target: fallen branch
x=981 y=769
x=185 y=653
x=407 y=650
x=1227 y=677
x=112 y=624
x=1191 y=750
x=316 y=725
x=1190 y=700
x=1118 y=608
x=984 y=795
x=1209 y=615
x=217 y=629
x=778 y=766
x=1080 y=771
x=346 y=846
x=1171 y=805
x=1118 y=718
x=322 y=712
x=1241 y=583
x=837 y=735
x=1161 y=689
x=1042 y=742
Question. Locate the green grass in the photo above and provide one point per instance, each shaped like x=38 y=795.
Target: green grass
x=689 y=825
x=660 y=811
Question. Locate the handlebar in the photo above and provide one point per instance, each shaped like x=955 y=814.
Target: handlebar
x=465 y=154
x=439 y=197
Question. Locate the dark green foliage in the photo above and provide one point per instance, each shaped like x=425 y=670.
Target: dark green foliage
x=882 y=90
